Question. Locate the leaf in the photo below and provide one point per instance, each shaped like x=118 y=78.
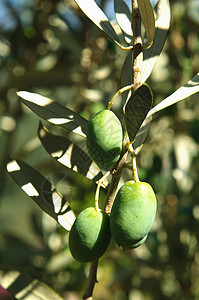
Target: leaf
x=24 y=287
x=148 y=18
x=190 y=88
x=150 y=56
x=95 y=14
x=42 y=192
x=54 y=112
x=123 y=17
x=142 y=134
x=136 y=109
x=69 y=154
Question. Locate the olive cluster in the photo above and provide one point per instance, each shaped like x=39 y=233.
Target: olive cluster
x=133 y=210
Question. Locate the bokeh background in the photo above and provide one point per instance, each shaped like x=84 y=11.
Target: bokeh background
x=50 y=47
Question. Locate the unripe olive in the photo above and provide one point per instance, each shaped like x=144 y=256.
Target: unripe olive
x=133 y=213
x=90 y=235
x=104 y=138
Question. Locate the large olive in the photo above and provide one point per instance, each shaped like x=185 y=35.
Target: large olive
x=132 y=214
x=104 y=138
x=90 y=235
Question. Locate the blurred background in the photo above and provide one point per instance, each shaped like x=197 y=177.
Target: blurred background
x=50 y=47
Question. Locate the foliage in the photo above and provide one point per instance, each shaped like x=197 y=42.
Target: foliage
x=56 y=53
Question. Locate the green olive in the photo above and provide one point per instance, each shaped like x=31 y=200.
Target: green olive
x=104 y=138
x=133 y=213
x=90 y=235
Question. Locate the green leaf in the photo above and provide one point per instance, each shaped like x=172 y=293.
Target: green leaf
x=42 y=192
x=69 y=154
x=136 y=110
x=190 y=88
x=21 y=286
x=54 y=112
x=95 y=14
x=142 y=134
x=151 y=55
x=148 y=18
x=123 y=17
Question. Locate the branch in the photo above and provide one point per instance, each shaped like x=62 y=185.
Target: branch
x=137 y=47
x=92 y=279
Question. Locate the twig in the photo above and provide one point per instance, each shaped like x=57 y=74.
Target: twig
x=137 y=46
x=92 y=279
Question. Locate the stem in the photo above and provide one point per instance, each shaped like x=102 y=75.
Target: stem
x=116 y=174
x=122 y=90
x=134 y=169
x=98 y=189
x=137 y=47
x=134 y=164
x=92 y=279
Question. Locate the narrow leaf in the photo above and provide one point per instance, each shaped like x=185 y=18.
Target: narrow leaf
x=69 y=154
x=148 y=18
x=150 y=55
x=190 y=88
x=162 y=23
x=142 y=134
x=54 y=112
x=21 y=286
x=42 y=192
x=95 y=14
x=123 y=17
x=136 y=110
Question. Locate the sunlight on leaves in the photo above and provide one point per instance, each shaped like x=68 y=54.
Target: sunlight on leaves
x=95 y=14
x=123 y=17
x=190 y=88
x=42 y=192
x=54 y=112
x=162 y=24
x=148 y=19
x=69 y=154
x=21 y=286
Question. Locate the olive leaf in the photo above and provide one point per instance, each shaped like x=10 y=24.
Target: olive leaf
x=151 y=55
x=42 y=192
x=142 y=133
x=188 y=89
x=136 y=110
x=148 y=18
x=95 y=14
x=17 y=285
x=162 y=23
x=54 y=112
x=123 y=17
x=70 y=155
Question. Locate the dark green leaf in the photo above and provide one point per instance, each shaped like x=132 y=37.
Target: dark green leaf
x=148 y=18
x=69 y=154
x=42 y=192
x=24 y=287
x=142 y=134
x=54 y=112
x=136 y=110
